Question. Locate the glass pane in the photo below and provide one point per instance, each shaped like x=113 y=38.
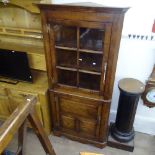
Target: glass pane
x=88 y=61
x=89 y=81
x=66 y=58
x=67 y=77
x=65 y=36
x=91 y=39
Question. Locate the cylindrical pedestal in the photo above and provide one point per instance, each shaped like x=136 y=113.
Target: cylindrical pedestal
x=130 y=91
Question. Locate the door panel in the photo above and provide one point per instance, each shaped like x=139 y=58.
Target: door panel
x=78 y=115
x=88 y=127
x=77 y=107
x=67 y=122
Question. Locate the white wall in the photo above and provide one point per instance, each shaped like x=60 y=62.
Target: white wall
x=136 y=57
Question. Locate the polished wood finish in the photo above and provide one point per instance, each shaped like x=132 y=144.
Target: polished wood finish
x=150 y=85
x=17 y=121
x=12 y=95
x=81 y=44
x=20 y=30
x=11 y=125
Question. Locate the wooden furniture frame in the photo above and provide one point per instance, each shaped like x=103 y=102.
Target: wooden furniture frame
x=18 y=121
x=81 y=44
x=20 y=30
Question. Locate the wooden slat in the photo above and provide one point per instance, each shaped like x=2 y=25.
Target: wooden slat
x=34 y=120
x=10 y=126
x=66 y=48
x=20 y=32
x=90 y=51
x=89 y=72
x=66 y=68
x=18 y=121
x=78 y=54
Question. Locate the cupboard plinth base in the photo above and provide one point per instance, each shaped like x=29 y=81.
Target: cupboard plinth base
x=80 y=139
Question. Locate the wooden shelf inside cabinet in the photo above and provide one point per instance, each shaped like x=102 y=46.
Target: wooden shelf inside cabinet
x=81 y=45
x=80 y=50
x=66 y=48
x=90 y=51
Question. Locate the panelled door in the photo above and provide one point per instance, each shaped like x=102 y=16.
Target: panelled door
x=77 y=115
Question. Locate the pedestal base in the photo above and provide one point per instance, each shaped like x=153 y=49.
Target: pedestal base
x=121 y=136
x=127 y=146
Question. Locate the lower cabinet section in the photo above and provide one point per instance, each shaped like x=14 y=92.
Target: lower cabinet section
x=84 y=127
x=80 y=117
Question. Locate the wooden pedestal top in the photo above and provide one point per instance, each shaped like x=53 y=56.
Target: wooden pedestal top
x=132 y=86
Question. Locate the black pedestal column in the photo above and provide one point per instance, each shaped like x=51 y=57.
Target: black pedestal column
x=130 y=91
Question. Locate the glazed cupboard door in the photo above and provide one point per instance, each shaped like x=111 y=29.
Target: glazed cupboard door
x=79 y=53
x=77 y=115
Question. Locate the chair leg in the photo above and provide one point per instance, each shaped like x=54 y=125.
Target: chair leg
x=35 y=122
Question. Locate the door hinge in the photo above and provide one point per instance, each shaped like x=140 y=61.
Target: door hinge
x=105 y=70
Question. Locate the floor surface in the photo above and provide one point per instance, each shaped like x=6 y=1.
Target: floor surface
x=144 y=145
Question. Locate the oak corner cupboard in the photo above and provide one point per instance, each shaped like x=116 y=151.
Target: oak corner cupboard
x=81 y=44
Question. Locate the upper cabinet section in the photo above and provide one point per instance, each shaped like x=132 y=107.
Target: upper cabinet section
x=79 y=53
x=82 y=43
x=83 y=38
x=81 y=11
x=65 y=36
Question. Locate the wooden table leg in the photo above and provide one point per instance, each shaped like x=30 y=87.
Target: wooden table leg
x=34 y=120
